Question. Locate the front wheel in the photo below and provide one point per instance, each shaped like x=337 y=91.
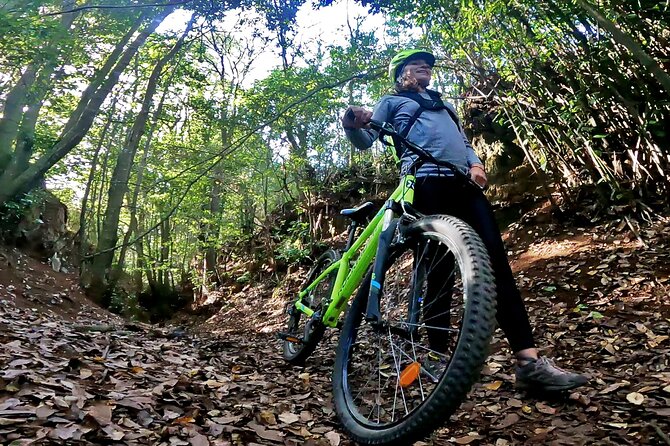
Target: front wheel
x=303 y=333
x=394 y=382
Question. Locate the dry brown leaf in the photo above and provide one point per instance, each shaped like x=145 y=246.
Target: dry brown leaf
x=267 y=418
x=333 y=438
x=101 y=413
x=184 y=420
x=114 y=432
x=65 y=432
x=663 y=411
x=613 y=387
x=288 y=417
x=543 y=408
x=467 y=439
x=267 y=434
x=635 y=398
x=10 y=421
x=43 y=412
x=509 y=420
x=495 y=385
x=198 y=440
x=305 y=379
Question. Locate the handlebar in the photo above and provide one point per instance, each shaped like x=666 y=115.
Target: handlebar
x=385 y=129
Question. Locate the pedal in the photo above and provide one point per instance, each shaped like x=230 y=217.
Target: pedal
x=289 y=338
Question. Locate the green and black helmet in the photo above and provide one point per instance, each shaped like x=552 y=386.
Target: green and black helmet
x=400 y=59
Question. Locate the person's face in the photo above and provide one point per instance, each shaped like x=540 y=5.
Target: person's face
x=420 y=70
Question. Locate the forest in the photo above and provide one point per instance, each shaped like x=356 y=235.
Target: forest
x=192 y=154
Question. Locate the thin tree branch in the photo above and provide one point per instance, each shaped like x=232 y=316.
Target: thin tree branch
x=81 y=8
x=372 y=74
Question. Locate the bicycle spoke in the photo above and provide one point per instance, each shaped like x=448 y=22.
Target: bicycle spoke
x=411 y=318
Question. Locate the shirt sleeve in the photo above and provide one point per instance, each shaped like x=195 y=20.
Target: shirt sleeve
x=363 y=138
x=471 y=155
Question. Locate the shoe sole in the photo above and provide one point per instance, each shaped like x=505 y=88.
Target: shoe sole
x=562 y=388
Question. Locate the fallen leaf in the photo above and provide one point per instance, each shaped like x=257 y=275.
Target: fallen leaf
x=101 y=413
x=495 y=385
x=288 y=417
x=65 y=433
x=509 y=420
x=10 y=421
x=184 y=420
x=635 y=398
x=526 y=409
x=198 y=440
x=333 y=438
x=43 y=412
x=543 y=408
x=467 y=439
x=267 y=418
x=664 y=411
x=613 y=387
x=267 y=434
x=113 y=432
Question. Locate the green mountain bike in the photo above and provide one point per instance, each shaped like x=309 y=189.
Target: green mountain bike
x=416 y=335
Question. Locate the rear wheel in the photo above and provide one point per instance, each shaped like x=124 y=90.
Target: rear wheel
x=397 y=381
x=303 y=333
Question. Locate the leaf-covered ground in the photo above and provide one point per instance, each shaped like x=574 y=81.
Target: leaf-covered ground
x=71 y=373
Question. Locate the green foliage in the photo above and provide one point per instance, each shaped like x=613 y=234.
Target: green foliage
x=12 y=212
x=126 y=304
x=229 y=150
x=292 y=248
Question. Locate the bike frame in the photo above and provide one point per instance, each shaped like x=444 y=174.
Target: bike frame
x=350 y=277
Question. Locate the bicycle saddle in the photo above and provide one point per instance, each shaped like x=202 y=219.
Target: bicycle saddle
x=360 y=213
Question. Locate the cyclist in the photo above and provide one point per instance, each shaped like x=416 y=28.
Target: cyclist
x=419 y=114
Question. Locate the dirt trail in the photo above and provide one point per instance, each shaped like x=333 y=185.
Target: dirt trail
x=73 y=373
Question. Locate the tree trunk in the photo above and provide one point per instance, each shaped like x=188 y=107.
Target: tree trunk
x=132 y=228
x=119 y=182
x=13 y=181
x=84 y=201
x=163 y=271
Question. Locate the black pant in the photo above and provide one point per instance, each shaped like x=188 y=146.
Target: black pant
x=445 y=195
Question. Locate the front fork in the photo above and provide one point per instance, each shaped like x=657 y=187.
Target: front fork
x=389 y=225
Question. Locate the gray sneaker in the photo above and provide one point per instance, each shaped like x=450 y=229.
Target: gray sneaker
x=543 y=375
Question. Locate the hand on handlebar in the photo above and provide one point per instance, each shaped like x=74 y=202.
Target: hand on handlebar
x=356 y=118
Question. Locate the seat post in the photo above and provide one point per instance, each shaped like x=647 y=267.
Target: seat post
x=352 y=233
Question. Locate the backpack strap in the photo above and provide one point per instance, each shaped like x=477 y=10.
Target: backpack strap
x=435 y=103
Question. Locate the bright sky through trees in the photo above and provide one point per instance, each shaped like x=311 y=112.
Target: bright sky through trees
x=327 y=26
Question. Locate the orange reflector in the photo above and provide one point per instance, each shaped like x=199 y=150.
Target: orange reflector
x=410 y=374
x=292 y=339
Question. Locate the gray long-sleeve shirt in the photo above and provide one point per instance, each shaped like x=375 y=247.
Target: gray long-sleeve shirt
x=434 y=130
